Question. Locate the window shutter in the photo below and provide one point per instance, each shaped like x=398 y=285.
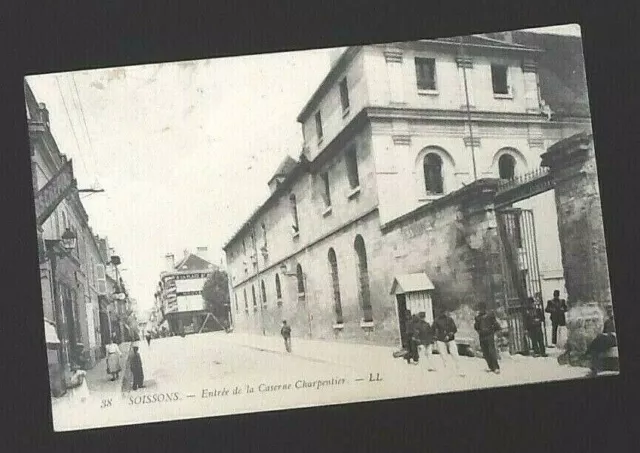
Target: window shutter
x=102 y=279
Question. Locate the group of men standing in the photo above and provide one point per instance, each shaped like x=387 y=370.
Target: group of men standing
x=421 y=337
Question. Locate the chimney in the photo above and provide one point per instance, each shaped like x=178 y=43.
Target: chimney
x=170 y=262
x=203 y=252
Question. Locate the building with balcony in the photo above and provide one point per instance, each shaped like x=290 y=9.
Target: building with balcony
x=74 y=277
x=400 y=141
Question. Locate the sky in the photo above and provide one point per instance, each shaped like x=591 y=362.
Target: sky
x=183 y=150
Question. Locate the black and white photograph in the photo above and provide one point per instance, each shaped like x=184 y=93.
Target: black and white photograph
x=318 y=227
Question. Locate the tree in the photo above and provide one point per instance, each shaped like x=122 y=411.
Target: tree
x=215 y=293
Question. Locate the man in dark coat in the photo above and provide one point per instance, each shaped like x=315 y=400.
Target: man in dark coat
x=601 y=345
x=410 y=339
x=136 y=369
x=424 y=333
x=556 y=308
x=533 y=318
x=487 y=325
x=445 y=330
x=285 y=331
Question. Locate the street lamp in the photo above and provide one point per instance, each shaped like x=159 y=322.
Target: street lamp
x=59 y=248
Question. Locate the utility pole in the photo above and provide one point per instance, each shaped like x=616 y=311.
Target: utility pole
x=466 y=94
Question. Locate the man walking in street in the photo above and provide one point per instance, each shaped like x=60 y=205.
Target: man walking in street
x=487 y=325
x=425 y=340
x=286 y=334
x=556 y=308
x=533 y=318
x=445 y=330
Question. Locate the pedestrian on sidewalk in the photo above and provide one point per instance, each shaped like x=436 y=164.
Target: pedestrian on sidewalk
x=487 y=325
x=425 y=340
x=285 y=331
x=533 y=318
x=113 y=358
x=556 y=308
x=148 y=337
x=445 y=330
x=136 y=369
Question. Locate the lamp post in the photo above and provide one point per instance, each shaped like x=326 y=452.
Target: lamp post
x=67 y=242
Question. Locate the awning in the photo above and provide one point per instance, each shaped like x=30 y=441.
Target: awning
x=410 y=283
x=50 y=333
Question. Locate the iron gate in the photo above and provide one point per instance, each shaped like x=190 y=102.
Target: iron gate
x=521 y=271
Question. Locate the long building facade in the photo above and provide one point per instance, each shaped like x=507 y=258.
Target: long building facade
x=78 y=275
x=402 y=144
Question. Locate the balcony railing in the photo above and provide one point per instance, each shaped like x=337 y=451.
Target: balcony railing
x=524 y=186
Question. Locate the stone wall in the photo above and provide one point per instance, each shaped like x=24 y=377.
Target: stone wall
x=573 y=166
x=454 y=241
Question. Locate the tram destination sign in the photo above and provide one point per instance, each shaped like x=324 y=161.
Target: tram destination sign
x=54 y=191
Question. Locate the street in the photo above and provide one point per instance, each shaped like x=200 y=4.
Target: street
x=218 y=374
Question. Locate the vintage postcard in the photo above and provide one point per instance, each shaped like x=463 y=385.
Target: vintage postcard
x=268 y=232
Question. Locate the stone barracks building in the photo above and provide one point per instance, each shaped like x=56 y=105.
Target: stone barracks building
x=417 y=188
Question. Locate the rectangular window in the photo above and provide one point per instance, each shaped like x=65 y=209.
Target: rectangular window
x=426 y=73
x=327 y=191
x=352 y=167
x=499 y=79
x=294 y=214
x=319 y=126
x=344 y=95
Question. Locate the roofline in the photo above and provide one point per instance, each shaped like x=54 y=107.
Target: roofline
x=506 y=46
x=345 y=58
x=301 y=166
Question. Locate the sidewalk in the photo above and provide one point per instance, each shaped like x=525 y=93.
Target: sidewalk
x=516 y=369
x=335 y=352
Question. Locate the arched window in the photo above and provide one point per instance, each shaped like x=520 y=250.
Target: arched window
x=294 y=213
x=506 y=166
x=433 y=179
x=333 y=264
x=246 y=302
x=253 y=297
x=278 y=290
x=264 y=294
x=363 y=279
x=300 y=277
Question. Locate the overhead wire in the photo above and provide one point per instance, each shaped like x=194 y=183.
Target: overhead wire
x=84 y=121
x=73 y=129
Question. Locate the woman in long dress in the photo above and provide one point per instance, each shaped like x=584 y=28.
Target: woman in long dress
x=113 y=359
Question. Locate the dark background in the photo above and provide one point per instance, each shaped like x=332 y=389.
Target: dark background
x=589 y=415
